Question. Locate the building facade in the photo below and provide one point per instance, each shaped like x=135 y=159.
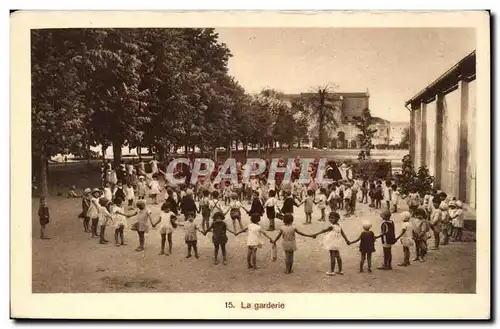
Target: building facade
x=443 y=131
x=397 y=131
x=348 y=107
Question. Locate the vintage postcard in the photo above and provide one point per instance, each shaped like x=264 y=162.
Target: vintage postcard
x=250 y=165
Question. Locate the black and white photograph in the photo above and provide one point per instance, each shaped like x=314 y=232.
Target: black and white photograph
x=301 y=159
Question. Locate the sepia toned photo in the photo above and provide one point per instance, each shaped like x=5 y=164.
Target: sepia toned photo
x=280 y=161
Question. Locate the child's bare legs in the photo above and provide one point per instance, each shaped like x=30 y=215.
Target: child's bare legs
x=216 y=253
x=417 y=250
x=271 y=224
x=322 y=215
x=86 y=222
x=369 y=260
x=94 y=227
x=406 y=257
x=339 y=261
x=42 y=231
x=362 y=262
x=332 y=263
x=223 y=250
x=102 y=239
x=437 y=238
x=121 y=235
x=388 y=203
x=288 y=261
x=459 y=234
x=189 y=249
x=169 y=239
x=130 y=203
x=195 y=249
x=254 y=257
x=249 y=257
x=205 y=223
x=163 y=240
x=141 y=241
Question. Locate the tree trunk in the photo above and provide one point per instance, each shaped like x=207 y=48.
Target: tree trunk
x=139 y=153
x=202 y=150
x=258 y=148
x=44 y=168
x=161 y=153
x=236 y=146
x=117 y=153
x=230 y=149
x=186 y=149
x=88 y=152
x=215 y=154
x=103 y=150
x=245 y=148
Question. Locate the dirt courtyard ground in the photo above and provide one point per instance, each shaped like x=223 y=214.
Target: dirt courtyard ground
x=73 y=262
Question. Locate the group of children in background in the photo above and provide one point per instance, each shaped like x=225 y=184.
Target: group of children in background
x=433 y=216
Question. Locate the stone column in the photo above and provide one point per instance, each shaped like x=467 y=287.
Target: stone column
x=463 y=142
x=423 y=134
x=438 y=140
x=418 y=139
x=412 y=135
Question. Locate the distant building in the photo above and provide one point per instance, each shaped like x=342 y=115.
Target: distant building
x=350 y=106
x=396 y=133
x=443 y=130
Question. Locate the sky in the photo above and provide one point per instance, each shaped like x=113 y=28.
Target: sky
x=392 y=64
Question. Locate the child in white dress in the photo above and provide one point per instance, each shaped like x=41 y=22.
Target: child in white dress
x=333 y=241
x=166 y=222
x=406 y=237
x=130 y=195
x=253 y=240
x=154 y=189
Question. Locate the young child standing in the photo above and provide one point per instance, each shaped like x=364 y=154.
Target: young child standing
x=347 y=199
x=44 y=217
x=308 y=206
x=85 y=209
x=322 y=203
x=93 y=211
x=219 y=236
x=332 y=242
x=108 y=193
x=406 y=237
x=253 y=240
x=413 y=200
x=191 y=236
x=333 y=198
x=388 y=239
x=445 y=222
x=270 y=207
x=129 y=192
x=436 y=217
x=119 y=220
x=104 y=218
x=287 y=231
x=256 y=209
x=154 y=189
x=366 y=246
x=458 y=221
x=288 y=204
x=205 y=210
x=166 y=221
x=421 y=230
x=378 y=195
x=141 y=188
x=387 y=194
x=143 y=219
x=395 y=197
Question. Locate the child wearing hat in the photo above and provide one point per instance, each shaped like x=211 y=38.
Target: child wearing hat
x=421 y=230
x=366 y=246
x=388 y=239
x=457 y=217
x=93 y=211
x=141 y=188
x=85 y=208
x=445 y=222
x=406 y=237
x=44 y=216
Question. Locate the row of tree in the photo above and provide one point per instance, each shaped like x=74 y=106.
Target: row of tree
x=155 y=88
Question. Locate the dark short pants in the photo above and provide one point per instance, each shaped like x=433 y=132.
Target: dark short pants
x=191 y=243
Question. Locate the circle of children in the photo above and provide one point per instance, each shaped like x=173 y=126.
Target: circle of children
x=434 y=215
